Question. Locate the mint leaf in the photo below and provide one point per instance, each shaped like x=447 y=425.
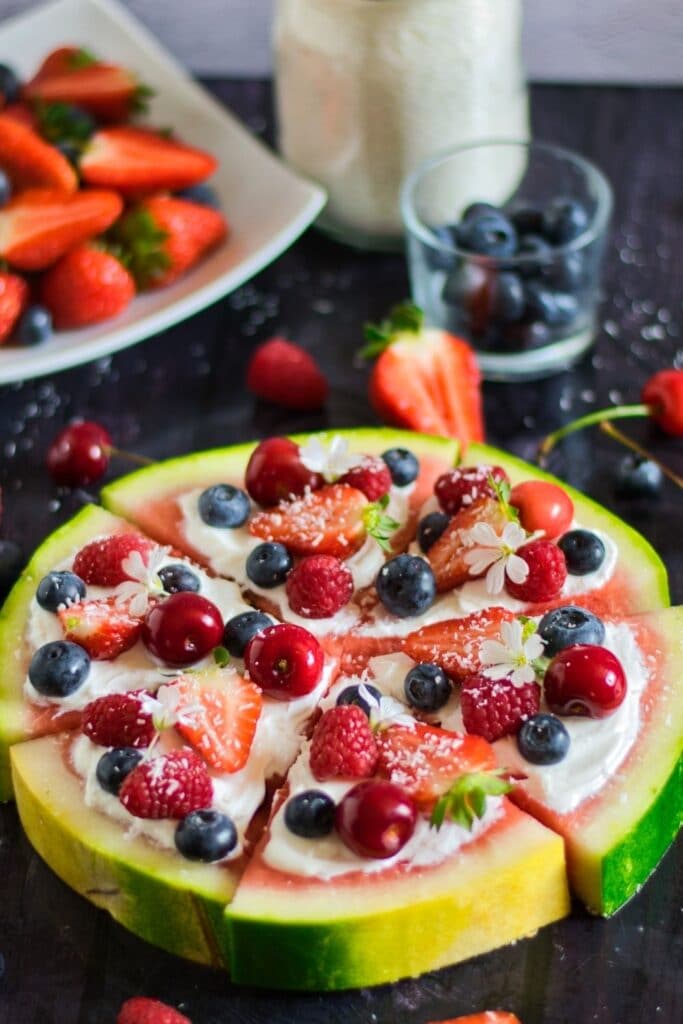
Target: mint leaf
x=466 y=798
x=221 y=656
x=502 y=491
x=378 y=525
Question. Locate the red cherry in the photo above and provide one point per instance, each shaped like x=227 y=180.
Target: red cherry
x=80 y=454
x=584 y=680
x=465 y=484
x=182 y=629
x=543 y=506
x=286 y=661
x=664 y=393
x=376 y=819
x=275 y=471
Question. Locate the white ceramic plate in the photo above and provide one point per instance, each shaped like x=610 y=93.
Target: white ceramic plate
x=267 y=205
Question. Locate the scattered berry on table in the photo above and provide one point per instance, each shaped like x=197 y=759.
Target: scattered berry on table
x=637 y=477
x=285 y=374
x=427 y=687
x=58 y=668
x=564 y=219
x=140 y=1010
x=178 y=577
x=406 y=586
x=103 y=627
x=430 y=528
x=376 y=819
x=310 y=814
x=343 y=744
x=584 y=551
x=206 y=835
x=319 y=586
x=80 y=454
x=241 y=628
x=285 y=660
x=59 y=589
x=543 y=739
x=371 y=476
x=182 y=629
x=542 y=506
x=353 y=695
x=224 y=506
x=275 y=472
x=34 y=325
x=118 y=720
x=113 y=767
x=547 y=572
x=664 y=394
x=493 y=708
x=269 y=564
x=11 y=561
x=585 y=680
x=569 y=625
x=169 y=786
x=403 y=466
x=460 y=487
x=100 y=563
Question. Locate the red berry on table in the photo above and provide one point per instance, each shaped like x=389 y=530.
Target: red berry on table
x=86 y=286
x=343 y=745
x=140 y=1010
x=284 y=373
x=465 y=484
x=285 y=660
x=584 y=680
x=103 y=627
x=376 y=819
x=80 y=454
x=495 y=708
x=543 y=506
x=118 y=720
x=329 y=521
x=100 y=563
x=371 y=476
x=275 y=472
x=169 y=786
x=13 y=301
x=547 y=572
x=182 y=629
x=664 y=394
x=319 y=586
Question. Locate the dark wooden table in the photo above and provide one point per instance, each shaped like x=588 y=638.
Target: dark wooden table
x=62 y=961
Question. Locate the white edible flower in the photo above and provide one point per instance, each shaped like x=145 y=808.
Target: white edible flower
x=332 y=460
x=494 y=554
x=143 y=580
x=385 y=711
x=513 y=655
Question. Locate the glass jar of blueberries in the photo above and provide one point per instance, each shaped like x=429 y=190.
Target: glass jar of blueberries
x=519 y=279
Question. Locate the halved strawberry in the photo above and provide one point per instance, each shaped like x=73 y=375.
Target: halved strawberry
x=455 y=644
x=487 y=1017
x=425 y=378
x=329 y=521
x=222 y=712
x=29 y=161
x=103 y=627
x=13 y=302
x=138 y=161
x=72 y=75
x=22 y=113
x=447 y=555
x=425 y=760
x=39 y=226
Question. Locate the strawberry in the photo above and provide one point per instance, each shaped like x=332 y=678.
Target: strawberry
x=39 y=226
x=21 y=113
x=455 y=643
x=100 y=563
x=118 y=720
x=86 y=286
x=139 y=161
x=13 y=302
x=329 y=521
x=284 y=373
x=223 y=710
x=425 y=378
x=495 y=708
x=103 y=627
x=425 y=760
x=72 y=75
x=30 y=162
x=169 y=786
x=140 y=1010
x=447 y=554
x=487 y=1017
x=164 y=236
x=343 y=745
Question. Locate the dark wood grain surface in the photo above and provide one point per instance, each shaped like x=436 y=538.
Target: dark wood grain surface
x=62 y=961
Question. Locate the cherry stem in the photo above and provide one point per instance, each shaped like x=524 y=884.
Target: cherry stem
x=600 y=416
x=617 y=435
x=140 y=460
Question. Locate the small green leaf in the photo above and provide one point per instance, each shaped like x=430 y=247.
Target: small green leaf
x=528 y=627
x=61 y=122
x=466 y=798
x=142 y=246
x=221 y=656
x=379 y=526
x=81 y=58
x=140 y=103
x=406 y=318
x=502 y=490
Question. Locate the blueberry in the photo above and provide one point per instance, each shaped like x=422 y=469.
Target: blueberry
x=58 y=669
x=538 y=252
x=177 y=578
x=268 y=564
x=11 y=561
x=566 y=272
x=241 y=628
x=224 y=506
x=584 y=552
x=352 y=695
x=564 y=220
x=540 y=303
x=465 y=285
x=477 y=209
x=406 y=585
x=524 y=337
x=567 y=309
x=10 y=84
x=526 y=218
x=58 y=589
x=543 y=739
x=490 y=234
x=439 y=255
x=636 y=477
x=205 y=835
x=569 y=625
x=403 y=466
x=310 y=814
x=35 y=326
x=430 y=529
x=203 y=194
x=427 y=687
x=5 y=189
x=508 y=298
x=115 y=765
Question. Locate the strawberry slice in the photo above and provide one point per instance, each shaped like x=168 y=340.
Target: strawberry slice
x=29 y=161
x=13 y=302
x=39 y=226
x=329 y=521
x=425 y=760
x=454 y=644
x=222 y=712
x=487 y=1017
x=138 y=161
x=103 y=627
x=447 y=555
x=425 y=378
x=72 y=75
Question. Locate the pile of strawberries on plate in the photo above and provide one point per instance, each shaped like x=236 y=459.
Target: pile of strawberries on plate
x=93 y=208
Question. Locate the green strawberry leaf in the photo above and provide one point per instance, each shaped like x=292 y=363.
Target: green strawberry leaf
x=466 y=798
x=61 y=122
x=406 y=318
x=81 y=58
x=378 y=525
x=140 y=102
x=141 y=244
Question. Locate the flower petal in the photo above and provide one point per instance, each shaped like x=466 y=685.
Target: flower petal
x=517 y=569
x=492 y=652
x=534 y=647
x=495 y=577
x=496 y=671
x=523 y=674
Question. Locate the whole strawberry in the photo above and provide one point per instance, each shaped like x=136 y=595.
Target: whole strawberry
x=118 y=720
x=284 y=373
x=493 y=708
x=86 y=286
x=343 y=745
x=140 y=1010
x=13 y=302
x=167 y=787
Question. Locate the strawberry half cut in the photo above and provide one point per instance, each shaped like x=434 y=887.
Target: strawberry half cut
x=137 y=161
x=104 y=628
x=455 y=644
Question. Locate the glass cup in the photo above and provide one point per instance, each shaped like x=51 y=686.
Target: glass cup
x=529 y=309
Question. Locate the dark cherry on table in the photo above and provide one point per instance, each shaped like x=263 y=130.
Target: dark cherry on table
x=62 y=961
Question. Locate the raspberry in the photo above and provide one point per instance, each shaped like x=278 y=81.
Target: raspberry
x=497 y=707
x=343 y=745
x=118 y=720
x=99 y=563
x=285 y=374
x=168 y=787
x=371 y=476
x=547 y=572
x=140 y=1010
x=319 y=586
x=460 y=487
